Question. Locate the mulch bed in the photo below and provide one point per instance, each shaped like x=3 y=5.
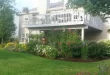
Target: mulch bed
x=79 y=59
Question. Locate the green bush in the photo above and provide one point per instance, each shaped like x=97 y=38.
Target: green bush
x=65 y=50
x=34 y=40
x=21 y=47
x=47 y=51
x=2 y=45
x=89 y=49
x=13 y=46
x=76 y=50
x=40 y=50
x=107 y=45
x=63 y=40
x=51 y=52
x=30 y=46
x=96 y=49
x=84 y=50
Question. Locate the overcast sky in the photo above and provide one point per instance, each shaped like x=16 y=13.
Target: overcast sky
x=30 y=3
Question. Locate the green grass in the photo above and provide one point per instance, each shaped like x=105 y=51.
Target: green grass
x=12 y=63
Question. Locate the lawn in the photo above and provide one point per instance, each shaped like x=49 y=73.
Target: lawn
x=12 y=63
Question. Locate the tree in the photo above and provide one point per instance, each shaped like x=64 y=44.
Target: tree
x=7 y=26
x=95 y=7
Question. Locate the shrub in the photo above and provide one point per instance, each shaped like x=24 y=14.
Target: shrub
x=34 y=40
x=51 y=52
x=30 y=46
x=2 y=45
x=66 y=51
x=84 y=50
x=76 y=50
x=21 y=47
x=40 y=50
x=96 y=49
x=107 y=45
x=63 y=41
x=44 y=50
x=88 y=49
x=12 y=46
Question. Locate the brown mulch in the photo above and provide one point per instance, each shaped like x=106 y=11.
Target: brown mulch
x=79 y=59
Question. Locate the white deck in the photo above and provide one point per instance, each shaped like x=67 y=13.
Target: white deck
x=64 y=18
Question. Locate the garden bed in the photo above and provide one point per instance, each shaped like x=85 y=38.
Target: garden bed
x=80 y=60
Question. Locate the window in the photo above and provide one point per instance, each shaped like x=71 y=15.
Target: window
x=23 y=39
x=27 y=35
x=34 y=14
x=26 y=18
x=23 y=35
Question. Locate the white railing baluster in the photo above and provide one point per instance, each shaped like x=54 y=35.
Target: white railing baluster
x=66 y=17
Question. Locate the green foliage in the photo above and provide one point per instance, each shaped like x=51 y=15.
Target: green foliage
x=96 y=49
x=96 y=7
x=84 y=51
x=51 y=52
x=2 y=45
x=45 y=50
x=34 y=40
x=65 y=50
x=40 y=50
x=107 y=46
x=10 y=46
x=13 y=46
x=76 y=49
x=30 y=46
x=7 y=26
x=63 y=40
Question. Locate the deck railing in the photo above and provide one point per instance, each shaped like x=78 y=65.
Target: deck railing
x=65 y=17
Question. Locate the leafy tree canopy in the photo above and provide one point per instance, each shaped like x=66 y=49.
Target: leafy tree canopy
x=7 y=26
x=95 y=7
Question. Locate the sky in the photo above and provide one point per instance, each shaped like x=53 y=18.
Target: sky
x=31 y=3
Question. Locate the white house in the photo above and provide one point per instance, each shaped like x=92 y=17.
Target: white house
x=57 y=16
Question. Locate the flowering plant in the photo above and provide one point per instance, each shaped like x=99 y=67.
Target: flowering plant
x=45 y=50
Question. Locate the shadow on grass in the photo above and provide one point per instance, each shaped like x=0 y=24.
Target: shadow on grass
x=9 y=55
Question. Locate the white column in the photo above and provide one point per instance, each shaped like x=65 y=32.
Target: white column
x=82 y=34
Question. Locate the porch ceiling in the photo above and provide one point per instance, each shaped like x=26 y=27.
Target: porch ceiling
x=91 y=29
x=60 y=27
